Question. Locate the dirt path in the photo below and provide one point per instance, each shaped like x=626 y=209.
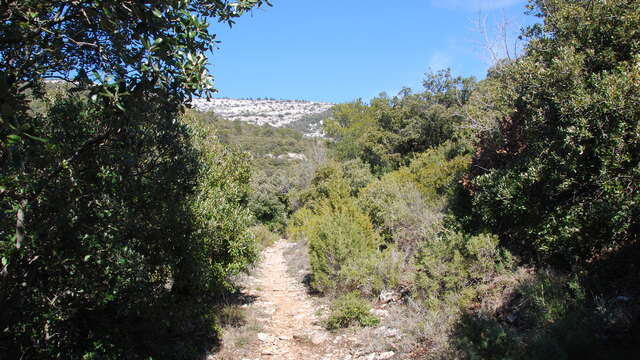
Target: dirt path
x=293 y=331
x=283 y=322
x=282 y=316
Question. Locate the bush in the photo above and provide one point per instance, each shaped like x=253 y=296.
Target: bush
x=339 y=234
x=437 y=172
x=398 y=212
x=269 y=201
x=357 y=174
x=480 y=337
x=348 y=310
x=374 y=272
x=388 y=131
x=337 y=230
x=558 y=179
x=219 y=207
x=132 y=240
x=326 y=179
x=450 y=266
x=547 y=316
x=101 y=255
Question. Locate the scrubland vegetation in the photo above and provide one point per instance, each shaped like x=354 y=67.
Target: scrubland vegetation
x=500 y=217
x=506 y=209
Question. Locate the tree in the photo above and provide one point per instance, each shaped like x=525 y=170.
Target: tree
x=386 y=133
x=103 y=254
x=558 y=177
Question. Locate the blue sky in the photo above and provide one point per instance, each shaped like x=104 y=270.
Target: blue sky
x=340 y=50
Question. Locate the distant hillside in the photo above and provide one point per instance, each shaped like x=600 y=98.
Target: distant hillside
x=305 y=116
x=271 y=148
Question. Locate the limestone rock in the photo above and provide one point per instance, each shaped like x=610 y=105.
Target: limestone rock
x=318 y=338
x=388 y=332
x=388 y=296
x=380 y=312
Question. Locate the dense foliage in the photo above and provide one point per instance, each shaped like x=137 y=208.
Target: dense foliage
x=388 y=131
x=559 y=176
x=339 y=232
x=219 y=207
x=501 y=215
x=350 y=309
x=119 y=223
x=507 y=208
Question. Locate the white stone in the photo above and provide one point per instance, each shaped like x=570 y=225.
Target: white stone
x=388 y=296
x=318 y=338
x=380 y=312
x=388 y=332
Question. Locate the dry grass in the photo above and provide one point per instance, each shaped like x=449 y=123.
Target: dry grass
x=297 y=257
x=240 y=323
x=239 y=337
x=264 y=237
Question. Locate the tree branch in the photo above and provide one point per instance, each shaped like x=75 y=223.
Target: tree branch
x=20 y=224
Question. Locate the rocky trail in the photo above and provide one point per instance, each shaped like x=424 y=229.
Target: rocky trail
x=292 y=330
x=289 y=328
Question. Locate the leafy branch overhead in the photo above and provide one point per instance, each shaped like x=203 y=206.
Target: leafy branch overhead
x=115 y=221
x=136 y=44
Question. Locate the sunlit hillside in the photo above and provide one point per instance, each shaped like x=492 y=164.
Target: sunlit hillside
x=277 y=113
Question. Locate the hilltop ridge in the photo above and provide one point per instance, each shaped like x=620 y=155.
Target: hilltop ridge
x=276 y=113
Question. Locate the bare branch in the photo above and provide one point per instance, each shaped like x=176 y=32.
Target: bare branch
x=496 y=39
x=20 y=224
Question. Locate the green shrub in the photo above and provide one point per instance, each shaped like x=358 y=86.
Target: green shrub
x=269 y=200
x=549 y=298
x=481 y=337
x=558 y=179
x=326 y=179
x=337 y=230
x=398 y=212
x=374 y=272
x=547 y=316
x=103 y=250
x=438 y=171
x=219 y=211
x=357 y=174
x=339 y=233
x=348 y=310
x=389 y=130
x=264 y=237
x=450 y=266
x=133 y=238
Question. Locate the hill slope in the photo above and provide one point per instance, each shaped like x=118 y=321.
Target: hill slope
x=277 y=113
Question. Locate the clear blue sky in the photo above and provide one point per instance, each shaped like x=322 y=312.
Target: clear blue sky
x=340 y=50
